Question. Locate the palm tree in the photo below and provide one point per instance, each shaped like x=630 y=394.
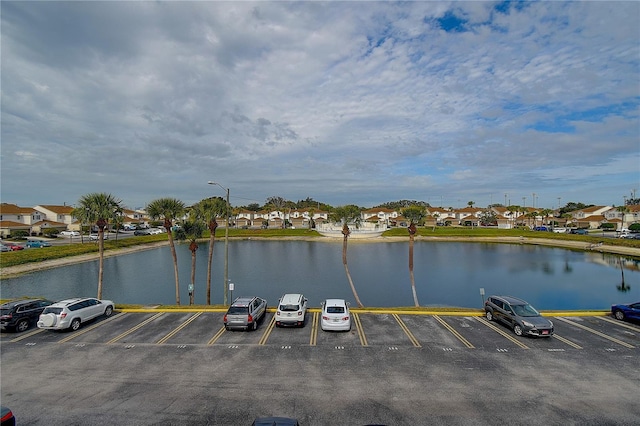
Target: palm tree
x=278 y=204
x=208 y=210
x=345 y=215
x=98 y=208
x=415 y=214
x=192 y=230
x=168 y=209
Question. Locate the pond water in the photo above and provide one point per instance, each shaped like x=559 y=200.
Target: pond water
x=446 y=274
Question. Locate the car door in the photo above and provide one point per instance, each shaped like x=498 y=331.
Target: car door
x=509 y=315
x=634 y=311
x=259 y=308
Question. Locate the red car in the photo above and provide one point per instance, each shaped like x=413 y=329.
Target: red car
x=14 y=247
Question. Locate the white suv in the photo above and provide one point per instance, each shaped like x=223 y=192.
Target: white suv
x=292 y=310
x=70 y=313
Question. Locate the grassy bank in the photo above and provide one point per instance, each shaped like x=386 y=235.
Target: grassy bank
x=68 y=250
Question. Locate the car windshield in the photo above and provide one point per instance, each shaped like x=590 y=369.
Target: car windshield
x=238 y=310
x=50 y=310
x=289 y=308
x=335 y=309
x=525 y=311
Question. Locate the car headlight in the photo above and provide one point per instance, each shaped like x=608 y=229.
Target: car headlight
x=527 y=324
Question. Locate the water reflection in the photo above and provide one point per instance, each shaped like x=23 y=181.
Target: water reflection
x=446 y=274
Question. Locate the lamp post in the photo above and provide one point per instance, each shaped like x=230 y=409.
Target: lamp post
x=226 y=242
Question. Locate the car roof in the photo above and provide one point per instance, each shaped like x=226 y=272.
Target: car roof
x=66 y=302
x=15 y=303
x=335 y=302
x=512 y=300
x=242 y=301
x=291 y=296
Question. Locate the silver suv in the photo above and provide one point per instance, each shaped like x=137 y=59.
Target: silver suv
x=70 y=313
x=244 y=313
x=519 y=315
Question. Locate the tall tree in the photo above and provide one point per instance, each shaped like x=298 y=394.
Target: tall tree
x=191 y=230
x=415 y=215
x=208 y=210
x=168 y=209
x=278 y=204
x=348 y=215
x=98 y=208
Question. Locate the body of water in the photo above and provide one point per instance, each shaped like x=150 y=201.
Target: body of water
x=446 y=274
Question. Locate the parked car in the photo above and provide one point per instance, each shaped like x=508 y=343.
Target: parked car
x=4 y=248
x=275 y=421
x=19 y=314
x=579 y=231
x=71 y=313
x=37 y=244
x=519 y=315
x=244 y=313
x=623 y=312
x=560 y=230
x=292 y=310
x=14 y=247
x=155 y=231
x=69 y=234
x=7 y=418
x=335 y=315
x=142 y=232
x=541 y=228
x=94 y=237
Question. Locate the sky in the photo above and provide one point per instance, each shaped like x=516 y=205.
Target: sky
x=523 y=103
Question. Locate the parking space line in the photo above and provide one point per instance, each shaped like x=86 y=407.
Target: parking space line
x=24 y=336
x=267 y=332
x=314 y=329
x=567 y=341
x=454 y=332
x=177 y=329
x=620 y=323
x=597 y=333
x=406 y=330
x=216 y=336
x=85 y=330
x=131 y=330
x=363 y=338
x=502 y=332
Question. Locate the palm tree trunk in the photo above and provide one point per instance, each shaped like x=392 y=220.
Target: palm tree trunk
x=213 y=225
x=346 y=269
x=101 y=261
x=193 y=247
x=175 y=265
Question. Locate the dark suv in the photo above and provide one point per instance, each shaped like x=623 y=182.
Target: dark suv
x=519 y=315
x=19 y=314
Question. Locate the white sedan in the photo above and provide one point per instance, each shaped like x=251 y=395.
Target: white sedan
x=69 y=234
x=335 y=315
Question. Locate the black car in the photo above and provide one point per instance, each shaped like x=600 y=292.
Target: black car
x=519 y=315
x=275 y=421
x=19 y=314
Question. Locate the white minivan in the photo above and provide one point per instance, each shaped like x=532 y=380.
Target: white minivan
x=292 y=310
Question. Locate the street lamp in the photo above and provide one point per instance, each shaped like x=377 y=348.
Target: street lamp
x=226 y=242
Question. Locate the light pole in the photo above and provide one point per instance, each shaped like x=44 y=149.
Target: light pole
x=226 y=241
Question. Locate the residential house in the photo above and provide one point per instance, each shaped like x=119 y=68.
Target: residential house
x=16 y=218
x=58 y=217
x=589 y=217
x=623 y=220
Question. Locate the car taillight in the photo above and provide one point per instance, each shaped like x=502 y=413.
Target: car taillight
x=225 y=318
x=345 y=318
x=324 y=317
x=250 y=318
x=62 y=315
x=6 y=316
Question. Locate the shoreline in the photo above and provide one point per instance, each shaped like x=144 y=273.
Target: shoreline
x=15 y=271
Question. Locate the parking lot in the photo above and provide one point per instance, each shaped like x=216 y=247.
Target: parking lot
x=391 y=368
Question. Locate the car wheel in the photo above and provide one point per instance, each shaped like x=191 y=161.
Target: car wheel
x=489 y=315
x=619 y=315
x=75 y=324
x=22 y=325
x=108 y=311
x=517 y=329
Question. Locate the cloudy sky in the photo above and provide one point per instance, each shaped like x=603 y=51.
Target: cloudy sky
x=344 y=102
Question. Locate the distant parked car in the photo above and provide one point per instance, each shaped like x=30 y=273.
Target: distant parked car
x=560 y=230
x=335 y=315
x=71 y=313
x=292 y=310
x=69 y=234
x=19 y=314
x=244 y=313
x=155 y=231
x=142 y=232
x=37 y=244
x=94 y=237
x=4 y=248
x=623 y=312
x=579 y=231
x=541 y=228
x=14 y=247
x=519 y=315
